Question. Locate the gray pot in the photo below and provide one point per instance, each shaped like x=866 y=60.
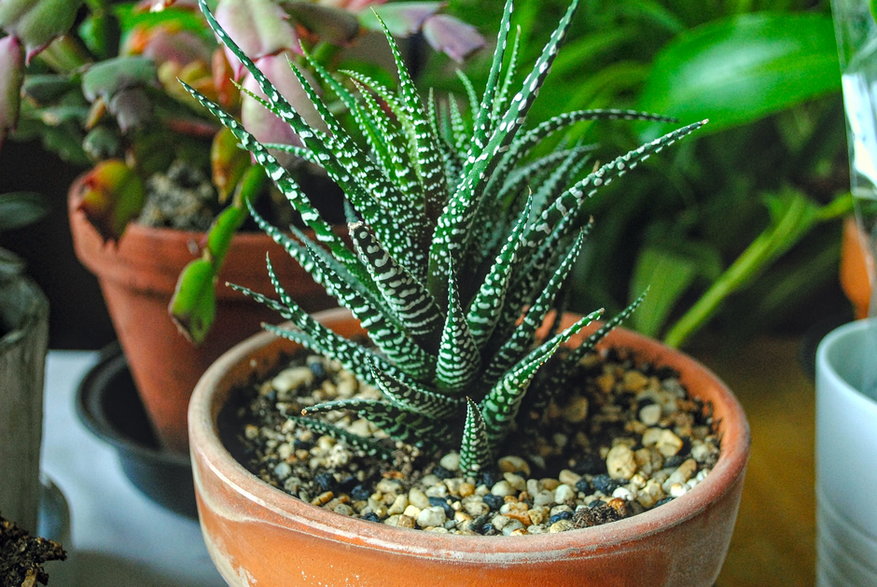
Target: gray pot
x=846 y=456
x=24 y=314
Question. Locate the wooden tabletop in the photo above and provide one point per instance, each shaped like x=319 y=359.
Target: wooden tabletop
x=774 y=538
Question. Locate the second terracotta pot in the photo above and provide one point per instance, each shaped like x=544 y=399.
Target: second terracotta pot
x=258 y=535
x=137 y=277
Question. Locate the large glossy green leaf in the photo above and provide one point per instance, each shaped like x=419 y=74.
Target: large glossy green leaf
x=736 y=70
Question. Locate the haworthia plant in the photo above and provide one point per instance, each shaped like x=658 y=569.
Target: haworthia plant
x=461 y=245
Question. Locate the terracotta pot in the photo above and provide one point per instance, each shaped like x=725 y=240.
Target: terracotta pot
x=137 y=277
x=258 y=535
x=856 y=267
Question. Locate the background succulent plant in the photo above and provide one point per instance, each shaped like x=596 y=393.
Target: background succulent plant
x=97 y=83
x=461 y=245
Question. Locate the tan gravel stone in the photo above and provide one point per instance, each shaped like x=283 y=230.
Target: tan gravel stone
x=620 y=462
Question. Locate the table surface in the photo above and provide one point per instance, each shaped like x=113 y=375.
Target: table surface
x=120 y=537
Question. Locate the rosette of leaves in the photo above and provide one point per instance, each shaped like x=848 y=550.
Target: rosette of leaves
x=461 y=244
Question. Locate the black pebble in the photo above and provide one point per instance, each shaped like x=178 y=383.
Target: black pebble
x=494 y=502
x=371 y=517
x=441 y=472
x=325 y=481
x=487 y=478
x=360 y=493
x=674 y=461
x=589 y=464
x=440 y=502
x=604 y=483
x=317 y=369
x=560 y=516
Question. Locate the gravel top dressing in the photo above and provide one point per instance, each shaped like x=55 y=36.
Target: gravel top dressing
x=626 y=439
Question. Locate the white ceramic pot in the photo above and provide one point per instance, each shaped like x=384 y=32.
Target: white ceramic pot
x=846 y=456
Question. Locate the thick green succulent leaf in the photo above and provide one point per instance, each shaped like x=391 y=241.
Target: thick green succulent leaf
x=535 y=273
x=454 y=225
x=398 y=423
x=605 y=329
x=461 y=134
x=363 y=184
x=284 y=182
x=501 y=101
x=520 y=339
x=367 y=446
x=427 y=160
x=354 y=357
x=458 y=355
x=416 y=398
x=193 y=305
x=410 y=302
x=523 y=144
x=549 y=179
x=484 y=310
x=475 y=450
x=569 y=204
x=316 y=337
x=500 y=406
x=482 y=112
x=384 y=330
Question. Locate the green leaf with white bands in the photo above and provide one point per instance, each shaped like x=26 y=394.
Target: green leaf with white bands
x=284 y=182
x=458 y=355
x=570 y=202
x=500 y=406
x=409 y=300
x=524 y=333
x=484 y=310
x=416 y=398
x=363 y=444
x=454 y=224
x=398 y=423
x=428 y=158
x=384 y=331
x=475 y=450
x=482 y=112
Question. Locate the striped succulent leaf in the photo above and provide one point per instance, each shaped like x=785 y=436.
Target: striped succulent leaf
x=460 y=243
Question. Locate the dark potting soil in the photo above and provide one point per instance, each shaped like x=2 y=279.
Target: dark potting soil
x=22 y=556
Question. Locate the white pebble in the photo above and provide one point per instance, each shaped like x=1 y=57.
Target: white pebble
x=431 y=516
x=418 y=498
x=568 y=477
x=564 y=493
x=292 y=379
x=451 y=461
x=517 y=482
x=650 y=414
x=502 y=489
x=623 y=493
x=398 y=506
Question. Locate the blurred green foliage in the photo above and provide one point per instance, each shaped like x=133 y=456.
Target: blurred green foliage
x=738 y=226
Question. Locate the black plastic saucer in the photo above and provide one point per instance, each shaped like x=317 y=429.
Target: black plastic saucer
x=108 y=405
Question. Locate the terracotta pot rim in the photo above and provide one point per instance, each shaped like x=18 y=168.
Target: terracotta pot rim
x=721 y=480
